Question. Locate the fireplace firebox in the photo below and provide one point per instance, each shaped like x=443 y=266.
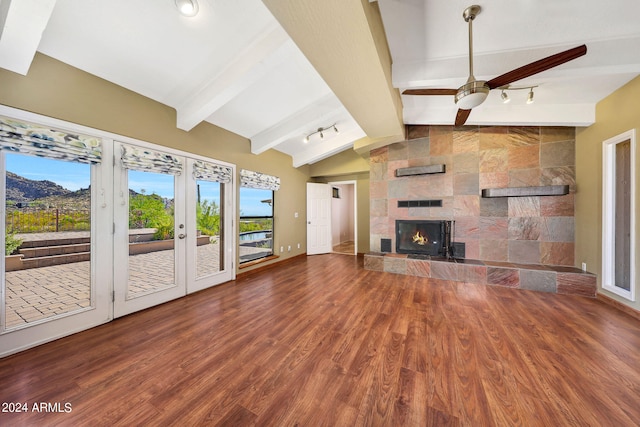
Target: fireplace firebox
x=425 y=237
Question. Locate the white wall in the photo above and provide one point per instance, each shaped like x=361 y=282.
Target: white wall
x=342 y=227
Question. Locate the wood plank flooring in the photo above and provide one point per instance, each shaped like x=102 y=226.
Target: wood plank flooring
x=319 y=341
x=348 y=247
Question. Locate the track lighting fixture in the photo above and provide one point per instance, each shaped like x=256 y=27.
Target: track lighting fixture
x=188 y=8
x=506 y=99
x=321 y=132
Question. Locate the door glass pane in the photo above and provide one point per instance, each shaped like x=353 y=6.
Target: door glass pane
x=209 y=228
x=47 y=239
x=151 y=233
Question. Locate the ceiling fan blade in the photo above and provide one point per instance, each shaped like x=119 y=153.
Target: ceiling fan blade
x=537 y=67
x=462 y=116
x=430 y=92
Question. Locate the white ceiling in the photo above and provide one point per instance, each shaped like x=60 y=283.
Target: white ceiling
x=233 y=65
x=428 y=40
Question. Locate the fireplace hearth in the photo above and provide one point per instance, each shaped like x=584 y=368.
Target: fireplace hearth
x=423 y=237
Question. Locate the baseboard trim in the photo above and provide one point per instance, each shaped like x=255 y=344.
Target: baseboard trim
x=268 y=266
x=618 y=305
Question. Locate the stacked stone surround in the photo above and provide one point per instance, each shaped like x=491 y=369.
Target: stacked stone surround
x=521 y=242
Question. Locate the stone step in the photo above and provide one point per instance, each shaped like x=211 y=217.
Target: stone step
x=28 y=244
x=44 y=251
x=47 y=261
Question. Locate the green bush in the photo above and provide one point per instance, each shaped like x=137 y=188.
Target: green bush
x=149 y=211
x=208 y=218
x=11 y=243
x=164 y=229
x=256 y=225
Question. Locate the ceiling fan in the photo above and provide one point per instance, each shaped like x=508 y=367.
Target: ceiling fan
x=474 y=92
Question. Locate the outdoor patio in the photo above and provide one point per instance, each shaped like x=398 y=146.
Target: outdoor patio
x=39 y=293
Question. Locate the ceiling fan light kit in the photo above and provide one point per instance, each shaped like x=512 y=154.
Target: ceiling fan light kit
x=474 y=92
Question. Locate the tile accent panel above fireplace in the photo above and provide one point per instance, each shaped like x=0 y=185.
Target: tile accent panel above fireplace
x=531 y=229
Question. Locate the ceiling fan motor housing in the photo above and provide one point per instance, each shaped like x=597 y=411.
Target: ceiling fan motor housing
x=472 y=94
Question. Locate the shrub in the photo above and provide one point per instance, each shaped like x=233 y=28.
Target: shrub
x=11 y=243
x=208 y=218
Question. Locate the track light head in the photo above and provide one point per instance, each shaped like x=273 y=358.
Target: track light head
x=530 y=97
x=505 y=97
x=321 y=132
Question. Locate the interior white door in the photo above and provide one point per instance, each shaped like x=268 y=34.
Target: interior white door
x=149 y=238
x=318 y=218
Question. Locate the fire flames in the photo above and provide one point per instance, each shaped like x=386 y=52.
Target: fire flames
x=420 y=239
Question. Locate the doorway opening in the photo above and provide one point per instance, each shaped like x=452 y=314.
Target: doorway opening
x=344 y=217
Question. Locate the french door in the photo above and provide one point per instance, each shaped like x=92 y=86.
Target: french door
x=210 y=239
x=92 y=232
x=171 y=234
x=55 y=278
x=149 y=235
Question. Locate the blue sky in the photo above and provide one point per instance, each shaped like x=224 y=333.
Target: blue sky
x=74 y=176
x=70 y=175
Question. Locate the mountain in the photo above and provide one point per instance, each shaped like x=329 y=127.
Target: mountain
x=21 y=189
x=23 y=192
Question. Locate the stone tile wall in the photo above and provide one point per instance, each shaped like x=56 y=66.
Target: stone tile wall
x=532 y=230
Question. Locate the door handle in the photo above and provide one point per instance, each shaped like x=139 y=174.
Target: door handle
x=181 y=236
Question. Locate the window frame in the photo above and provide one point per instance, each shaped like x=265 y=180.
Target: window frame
x=241 y=217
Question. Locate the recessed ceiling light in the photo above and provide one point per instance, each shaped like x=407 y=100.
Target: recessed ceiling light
x=188 y=8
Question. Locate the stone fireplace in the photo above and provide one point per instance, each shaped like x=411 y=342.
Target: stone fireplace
x=534 y=230
x=439 y=174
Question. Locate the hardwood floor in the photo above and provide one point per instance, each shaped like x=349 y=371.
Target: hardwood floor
x=348 y=248
x=321 y=341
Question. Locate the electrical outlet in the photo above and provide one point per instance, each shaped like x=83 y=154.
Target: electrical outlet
x=584 y=266
x=298 y=245
x=295 y=215
x=289 y=248
x=281 y=249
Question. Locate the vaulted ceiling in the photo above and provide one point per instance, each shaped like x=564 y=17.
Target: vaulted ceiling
x=275 y=71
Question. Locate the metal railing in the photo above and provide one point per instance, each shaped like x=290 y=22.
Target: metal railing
x=37 y=220
x=256 y=237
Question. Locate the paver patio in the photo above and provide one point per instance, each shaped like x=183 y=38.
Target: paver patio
x=40 y=293
x=44 y=292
